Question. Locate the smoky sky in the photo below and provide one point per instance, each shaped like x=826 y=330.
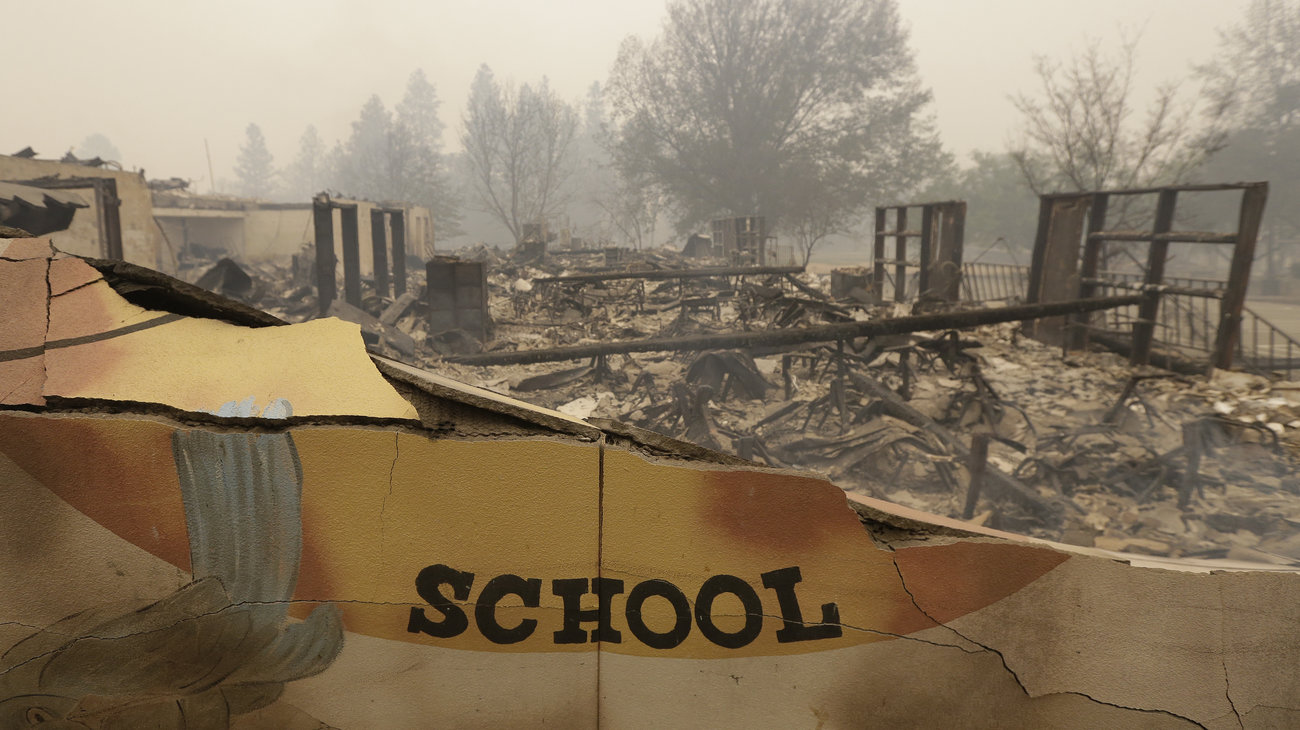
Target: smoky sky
x=159 y=77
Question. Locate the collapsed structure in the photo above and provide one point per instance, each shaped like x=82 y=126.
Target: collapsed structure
x=232 y=521
x=766 y=363
x=237 y=522
x=163 y=225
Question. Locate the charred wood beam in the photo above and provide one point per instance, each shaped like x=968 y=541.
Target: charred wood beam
x=351 y=254
x=976 y=465
x=1197 y=188
x=662 y=274
x=379 y=250
x=397 y=222
x=1183 y=291
x=326 y=261
x=1169 y=237
x=808 y=290
x=825 y=333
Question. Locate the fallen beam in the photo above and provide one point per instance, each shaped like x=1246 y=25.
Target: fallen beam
x=663 y=274
x=824 y=333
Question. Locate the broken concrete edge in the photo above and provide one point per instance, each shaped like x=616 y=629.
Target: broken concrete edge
x=894 y=526
x=154 y=290
x=159 y=292
x=58 y=405
x=439 y=386
x=656 y=445
x=889 y=524
x=11 y=232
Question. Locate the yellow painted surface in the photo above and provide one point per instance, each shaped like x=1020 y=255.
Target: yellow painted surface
x=382 y=506
x=199 y=364
x=686 y=525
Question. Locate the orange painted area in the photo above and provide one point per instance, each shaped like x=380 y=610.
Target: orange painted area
x=26 y=248
x=23 y=381
x=775 y=512
x=949 y=581
x=688 y=524
x=118 y=472
x=70 y=273
x=92 y=309
x=22 y=330
x=22 y=300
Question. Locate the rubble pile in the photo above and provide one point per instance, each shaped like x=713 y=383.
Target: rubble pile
x=284 y=289
x=1082 y=448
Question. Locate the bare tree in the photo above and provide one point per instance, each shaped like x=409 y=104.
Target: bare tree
x=1254 y=88
x=818 y=212
x=1080 y=132
x=1255 y=79
x=517 y=142
x=631 y=208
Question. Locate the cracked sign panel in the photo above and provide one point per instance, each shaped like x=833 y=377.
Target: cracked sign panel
x=212 y=524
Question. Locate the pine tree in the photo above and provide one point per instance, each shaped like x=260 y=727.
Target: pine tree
x=307 y=174
x=97 y=145
x=418 y=110
x=364 y=169
x=254 y=169
x=417 y=143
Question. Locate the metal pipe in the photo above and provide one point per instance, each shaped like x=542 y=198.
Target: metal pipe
x=662 y=274
x=796 y=336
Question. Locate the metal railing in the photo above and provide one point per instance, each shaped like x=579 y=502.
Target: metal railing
x=1265 y=349
x=994 y=282
x=1187 y=320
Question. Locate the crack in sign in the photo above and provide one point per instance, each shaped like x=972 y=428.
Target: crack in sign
x=1003 y=659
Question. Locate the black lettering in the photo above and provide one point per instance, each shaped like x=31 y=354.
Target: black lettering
x=716 y=586
x=572 y=590
x=426 y=584
x=783 y=581
x=485 y=611
x=681 y=629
